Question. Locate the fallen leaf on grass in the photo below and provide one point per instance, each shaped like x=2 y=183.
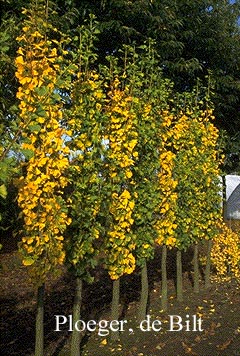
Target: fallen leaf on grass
x=197 y=338
x=119 y=347
x=188 y=349
x=160 y=346
x=211 y=330
x=225 y=344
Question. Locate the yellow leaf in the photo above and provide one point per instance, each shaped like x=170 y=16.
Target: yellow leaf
x=41 y=120
x=19 y=60
x=29 y=241
x=28 y=261
x=103 y=342
x=128 y=174
x=60 y=238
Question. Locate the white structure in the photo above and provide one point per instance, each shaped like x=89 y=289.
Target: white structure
x=232 y=197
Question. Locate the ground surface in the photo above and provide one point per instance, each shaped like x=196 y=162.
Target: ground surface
x=218 y=308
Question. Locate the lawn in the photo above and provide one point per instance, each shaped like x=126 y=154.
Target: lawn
x=218 y=309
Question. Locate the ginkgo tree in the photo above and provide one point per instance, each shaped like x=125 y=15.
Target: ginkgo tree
x=166 y=211
x=85 y=119
x=40 y=196
x=147 y=84
x=196 y=169
x=121 y=138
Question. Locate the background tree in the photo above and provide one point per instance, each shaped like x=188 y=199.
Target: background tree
x=192 y=38
x=210 y=34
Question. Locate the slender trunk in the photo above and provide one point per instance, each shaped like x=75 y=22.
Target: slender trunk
x=196 y=269
x=144 y=293
x=164 y=278
x=39 y=336
x=224 y=211
x=115 y=306
x=179 y=276
x=208 y=265
x=76 y=337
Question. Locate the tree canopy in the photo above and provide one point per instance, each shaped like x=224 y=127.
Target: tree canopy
x=194 y=38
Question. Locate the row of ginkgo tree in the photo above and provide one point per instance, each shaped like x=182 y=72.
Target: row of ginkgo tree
x=115 y=162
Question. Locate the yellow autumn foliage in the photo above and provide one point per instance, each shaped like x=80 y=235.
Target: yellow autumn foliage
x=225 y=253
x=121 y=155
x=40 y=189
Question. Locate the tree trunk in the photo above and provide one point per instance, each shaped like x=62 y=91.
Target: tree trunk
x=164 y=278
x=179 y=276
x=196 y=269
x=76 y=337
x=144 y=293
x=39 y=336
x=208 y=266
x=115 y=306
x=224 y=191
